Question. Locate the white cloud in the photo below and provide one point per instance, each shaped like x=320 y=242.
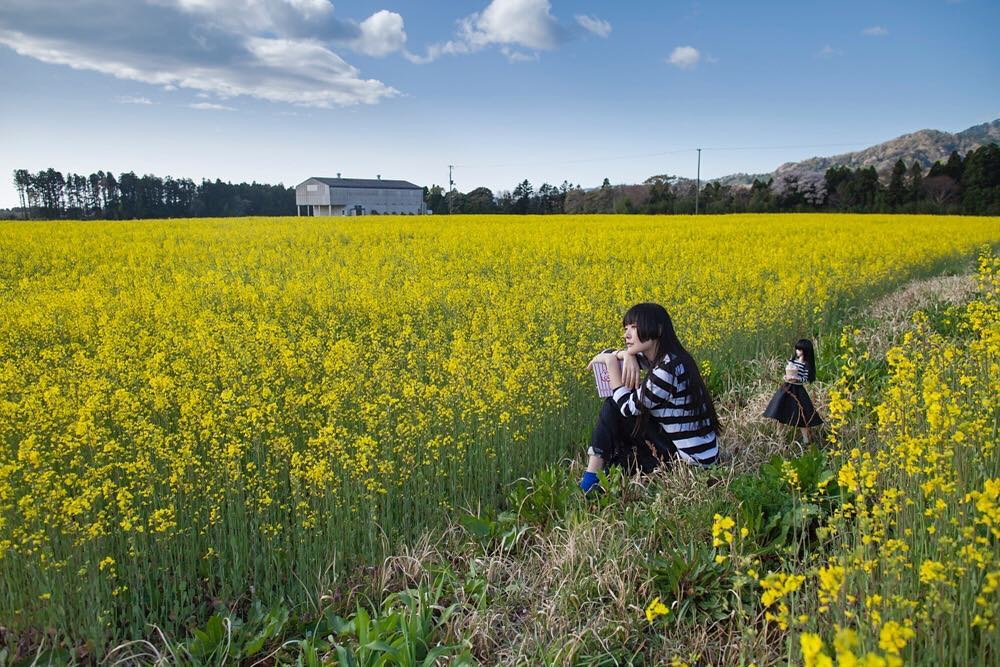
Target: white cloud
x=517 y=56
x=282 y=16
x=312 y=8
x=684 y=57
x=509 y=24
x=382 y=33
x=133 y=99
x=875 y=31
x=527 y=23
x=210 y=106
x=599 y=27
x=829 y=52
x=275 y=50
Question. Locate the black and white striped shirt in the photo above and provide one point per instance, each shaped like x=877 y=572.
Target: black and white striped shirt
x=794 y=367
x=666 y=395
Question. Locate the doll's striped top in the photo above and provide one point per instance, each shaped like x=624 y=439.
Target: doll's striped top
x=801 y=369
x=665 y=393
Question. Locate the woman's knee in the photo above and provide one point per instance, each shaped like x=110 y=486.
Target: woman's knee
x=609 y=411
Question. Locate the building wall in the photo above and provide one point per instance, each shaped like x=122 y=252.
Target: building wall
x=319 y=209
x=383 y=200
x=312 y=192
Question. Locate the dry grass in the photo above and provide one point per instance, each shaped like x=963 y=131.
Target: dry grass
x=889 y=317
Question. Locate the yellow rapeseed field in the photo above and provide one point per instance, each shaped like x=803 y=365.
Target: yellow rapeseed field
x=194 y=409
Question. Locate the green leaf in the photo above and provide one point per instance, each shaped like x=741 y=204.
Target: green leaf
x=438 y=652
x=337 y=625
x=383 y=647
x=207 y=641
x=478 y=527
x=345 y=658
x=309 y=652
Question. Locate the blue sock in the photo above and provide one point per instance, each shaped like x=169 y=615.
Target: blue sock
x=589 y=481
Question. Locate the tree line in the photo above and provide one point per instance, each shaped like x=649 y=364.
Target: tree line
x=967 y=185
x=49 y=194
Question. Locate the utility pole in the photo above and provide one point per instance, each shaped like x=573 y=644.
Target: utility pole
x=451 y=183
x=697 y=187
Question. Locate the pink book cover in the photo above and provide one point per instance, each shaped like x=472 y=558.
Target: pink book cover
x=602 y=379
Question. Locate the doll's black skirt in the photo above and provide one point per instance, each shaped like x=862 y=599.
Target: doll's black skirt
x=791 y=405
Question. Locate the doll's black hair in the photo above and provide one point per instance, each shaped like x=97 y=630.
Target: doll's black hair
x=652 y=321
x=809 y=353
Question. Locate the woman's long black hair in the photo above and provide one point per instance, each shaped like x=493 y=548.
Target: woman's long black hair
x=809 y=354
x=651 y=320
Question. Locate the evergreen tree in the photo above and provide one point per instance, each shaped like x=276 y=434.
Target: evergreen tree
x=981 y=181
x=94 y=205
x=22 y=180
x=522 y=197
x=896 y=194
x=760 y=196
x=954 y=167
x=915 y=183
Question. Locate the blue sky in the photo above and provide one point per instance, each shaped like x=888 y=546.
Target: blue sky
x=280 y=90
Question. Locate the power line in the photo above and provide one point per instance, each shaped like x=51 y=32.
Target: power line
x=771 y=148
x=658 y=154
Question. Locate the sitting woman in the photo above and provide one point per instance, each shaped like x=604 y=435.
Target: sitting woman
x=668 y=416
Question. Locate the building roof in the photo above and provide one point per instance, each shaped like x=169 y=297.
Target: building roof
x=367 y=183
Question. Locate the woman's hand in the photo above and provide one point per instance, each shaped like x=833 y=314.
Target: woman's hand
x=606 y=358
x=630 y=371
x=610 y=360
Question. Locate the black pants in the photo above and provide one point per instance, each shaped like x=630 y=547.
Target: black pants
x=613 y=440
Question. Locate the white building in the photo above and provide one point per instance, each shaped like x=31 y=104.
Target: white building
x=358 y=196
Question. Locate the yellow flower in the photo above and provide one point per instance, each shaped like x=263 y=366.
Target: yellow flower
x=831 y=580
x=722 y=530
x=812 y=651
x=932 y=571
x=893 y=637
x=776 y=585
x=656 y=609
x=845 y=642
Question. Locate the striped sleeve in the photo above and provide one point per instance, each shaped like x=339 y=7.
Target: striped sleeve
x=802 y=370
x=658 y=389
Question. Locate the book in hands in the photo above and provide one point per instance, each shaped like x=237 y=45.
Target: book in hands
x=603 y=379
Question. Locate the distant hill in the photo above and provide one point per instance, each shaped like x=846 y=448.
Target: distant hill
x=740 y=179
x=923 y=146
